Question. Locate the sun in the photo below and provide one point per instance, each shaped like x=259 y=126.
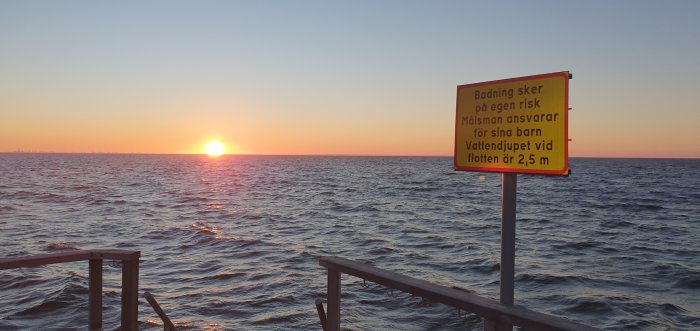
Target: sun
x=214 y=148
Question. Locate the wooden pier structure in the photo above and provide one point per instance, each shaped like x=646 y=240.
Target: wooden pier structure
x=130 y=279
x=497 y=316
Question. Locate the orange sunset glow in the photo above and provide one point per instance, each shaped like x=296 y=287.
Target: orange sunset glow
x=214 y=148
x=284 y=94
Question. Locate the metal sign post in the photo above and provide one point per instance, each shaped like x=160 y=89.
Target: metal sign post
x=511 y=126
x=509 y=189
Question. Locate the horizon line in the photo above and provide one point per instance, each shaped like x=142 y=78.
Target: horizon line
x=333 y=155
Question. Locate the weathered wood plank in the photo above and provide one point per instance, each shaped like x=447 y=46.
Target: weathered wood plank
x=130 y=295
x=68 y=256
x=43 y=259
x=95 y=295
x=333 y=318
x=115 y=254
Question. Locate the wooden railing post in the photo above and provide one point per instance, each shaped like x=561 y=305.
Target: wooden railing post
x=130 y=295
x=95 y=295
x=333 y=317
x=503 y=324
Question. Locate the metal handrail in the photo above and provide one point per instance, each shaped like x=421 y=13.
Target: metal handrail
x=167 y=323
x=321 y=314
x=496 y=315
x=130 y=279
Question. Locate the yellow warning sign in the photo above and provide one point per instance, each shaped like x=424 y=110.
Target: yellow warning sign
x=514 y=125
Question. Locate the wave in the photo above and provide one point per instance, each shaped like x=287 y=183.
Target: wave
x=80 y=187
x=612 y=224
x=45 y=197
x=424 y=189
x=45 y=306
x=225 y=276
x=97 y=202
x=193 y=199
x=486 y=266
x=576 y=245
x=261 y=301
x=213 y=235
x=10 y=281
x=635 y=207
x=201 y=234
x=343 y=208
x=279 y=319
x=60 y=246
x=689 y=282
x=543 y=279
x=71 y=296
x=7 y=208
x=202 y=227
x=587 y=305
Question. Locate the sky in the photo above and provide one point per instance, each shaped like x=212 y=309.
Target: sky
x=337 y=77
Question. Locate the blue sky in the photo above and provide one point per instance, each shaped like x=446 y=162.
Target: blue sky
x=360 y=73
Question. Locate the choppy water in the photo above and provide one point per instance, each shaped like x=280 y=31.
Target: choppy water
x=232 y=242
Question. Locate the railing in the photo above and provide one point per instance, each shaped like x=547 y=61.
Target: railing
x=130 y=279
x=167 y=323
x=496 y=315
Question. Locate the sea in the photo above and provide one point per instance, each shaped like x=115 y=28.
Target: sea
x=232 y=243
